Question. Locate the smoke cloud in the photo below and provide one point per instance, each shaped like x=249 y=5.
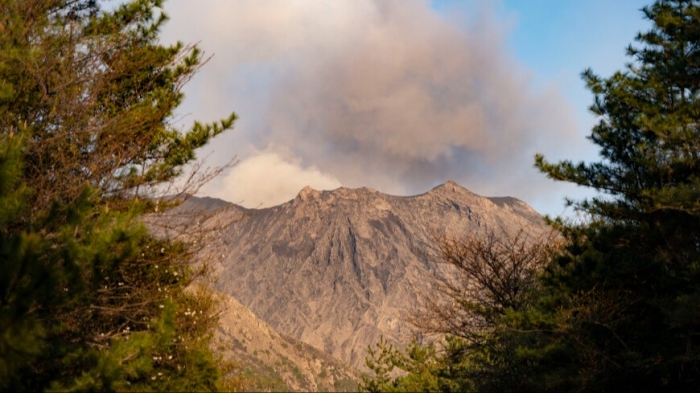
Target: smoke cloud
x=270 y=179
x=388 y=94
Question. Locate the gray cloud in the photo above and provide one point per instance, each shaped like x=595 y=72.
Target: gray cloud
x=386 y=94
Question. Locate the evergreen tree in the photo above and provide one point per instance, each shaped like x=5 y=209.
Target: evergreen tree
x=620 y=309
x=89 y=300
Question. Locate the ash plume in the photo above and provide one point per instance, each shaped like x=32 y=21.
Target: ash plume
x=392 y=95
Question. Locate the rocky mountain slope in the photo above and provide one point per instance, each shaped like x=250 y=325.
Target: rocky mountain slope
x=338 y=269
x=264 y=360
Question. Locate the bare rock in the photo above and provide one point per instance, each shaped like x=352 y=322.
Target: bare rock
x=338 y=269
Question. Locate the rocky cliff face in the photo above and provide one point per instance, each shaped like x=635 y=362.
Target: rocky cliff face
x=265 y=360
x=338 y=269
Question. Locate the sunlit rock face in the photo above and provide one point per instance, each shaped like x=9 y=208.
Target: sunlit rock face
x=338 y=269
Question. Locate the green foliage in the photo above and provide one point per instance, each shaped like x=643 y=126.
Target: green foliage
x=616 y=311
x=89 y=300
x=417 y=369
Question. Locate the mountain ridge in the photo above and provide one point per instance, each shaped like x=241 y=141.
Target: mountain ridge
x=338 y=269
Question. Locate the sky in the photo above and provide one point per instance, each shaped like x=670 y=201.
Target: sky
x=398 y=95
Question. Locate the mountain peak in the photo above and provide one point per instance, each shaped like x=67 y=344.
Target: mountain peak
x=450 y=186
x=307 y=193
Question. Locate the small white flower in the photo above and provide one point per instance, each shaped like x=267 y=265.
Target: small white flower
x=161 y=306
x=162 y=250
x=170 y=357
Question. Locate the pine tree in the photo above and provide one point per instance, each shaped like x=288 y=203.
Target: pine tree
x=620 y=309
x=89 y=300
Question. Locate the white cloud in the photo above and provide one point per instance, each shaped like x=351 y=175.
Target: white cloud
x=267 y=179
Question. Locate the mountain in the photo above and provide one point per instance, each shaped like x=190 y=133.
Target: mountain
x=338 y=269
x=264 y=360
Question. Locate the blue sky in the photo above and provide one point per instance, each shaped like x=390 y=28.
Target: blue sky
x=402 y=95
x=559 y=39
